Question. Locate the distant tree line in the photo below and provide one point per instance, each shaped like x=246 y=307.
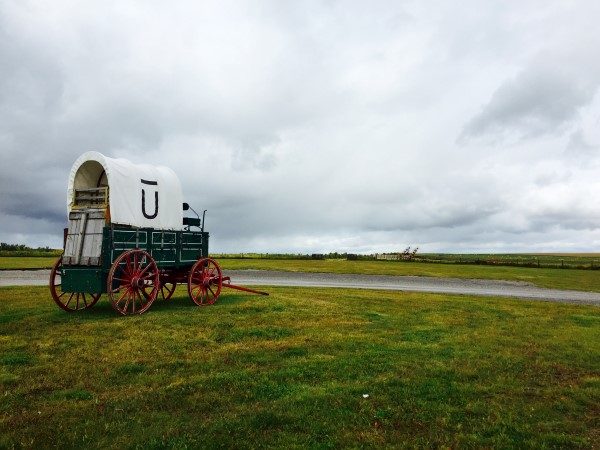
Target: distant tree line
x=332 y=255
x=24 y=250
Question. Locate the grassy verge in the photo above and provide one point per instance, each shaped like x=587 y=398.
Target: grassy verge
x=583 y=280
x=293 y=369
x=27 y=262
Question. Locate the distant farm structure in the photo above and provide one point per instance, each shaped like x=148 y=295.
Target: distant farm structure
x=406 y=255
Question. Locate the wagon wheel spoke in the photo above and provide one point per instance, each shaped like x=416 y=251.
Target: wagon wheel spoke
x=143 y=296
x=126 y=292
x=196 y=287
x=117 y=289
x=135 y=296
x=127 y=300
x=146 y=295
x=201 y=296
x=197 y=292
x=145 y=269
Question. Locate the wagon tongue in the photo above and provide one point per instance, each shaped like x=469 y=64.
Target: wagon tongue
x=227 y=283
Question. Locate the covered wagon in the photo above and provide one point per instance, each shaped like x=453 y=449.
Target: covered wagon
x=127 y=237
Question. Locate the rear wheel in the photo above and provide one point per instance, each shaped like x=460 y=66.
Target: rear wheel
x=205 y=281
x=69 y=301
x=133 y=282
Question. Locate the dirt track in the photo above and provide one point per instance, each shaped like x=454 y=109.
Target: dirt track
x=383 y=282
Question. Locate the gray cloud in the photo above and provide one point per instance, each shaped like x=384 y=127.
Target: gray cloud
x=326 y=126
x=578 y=143
x=538 y=101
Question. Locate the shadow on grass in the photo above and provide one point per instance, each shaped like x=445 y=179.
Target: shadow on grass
x=104 y=310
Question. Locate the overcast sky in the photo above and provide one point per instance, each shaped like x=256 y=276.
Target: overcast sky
x=315 y=126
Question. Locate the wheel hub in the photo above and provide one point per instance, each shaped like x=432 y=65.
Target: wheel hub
x=207 y=281
x=137 y=283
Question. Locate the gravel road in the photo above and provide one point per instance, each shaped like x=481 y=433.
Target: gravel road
x=413 y=284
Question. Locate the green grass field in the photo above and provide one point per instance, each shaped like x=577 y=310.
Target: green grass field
x=27 y=262
x=582 y=280
x=291 y=370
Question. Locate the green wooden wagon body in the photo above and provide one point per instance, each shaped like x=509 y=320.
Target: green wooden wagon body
x=174 y=252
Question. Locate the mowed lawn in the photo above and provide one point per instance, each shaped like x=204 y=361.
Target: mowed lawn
x=302 y=367
x=581 y=280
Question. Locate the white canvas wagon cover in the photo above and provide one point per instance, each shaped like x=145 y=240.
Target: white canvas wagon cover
x=140 y=195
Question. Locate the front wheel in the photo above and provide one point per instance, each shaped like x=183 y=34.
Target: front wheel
x=68 y=301
x=205 y=281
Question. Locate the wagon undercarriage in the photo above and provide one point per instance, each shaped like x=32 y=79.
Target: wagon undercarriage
x=135 y=281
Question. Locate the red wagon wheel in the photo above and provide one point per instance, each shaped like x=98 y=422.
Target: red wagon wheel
x=205 y=281
x=167 y=288
x=133 y=282
x=69 y=301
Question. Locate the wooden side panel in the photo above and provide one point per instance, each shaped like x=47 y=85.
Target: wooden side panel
x=164 y=247
x=191 y=247
x=83 y=245
x=127 y=239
